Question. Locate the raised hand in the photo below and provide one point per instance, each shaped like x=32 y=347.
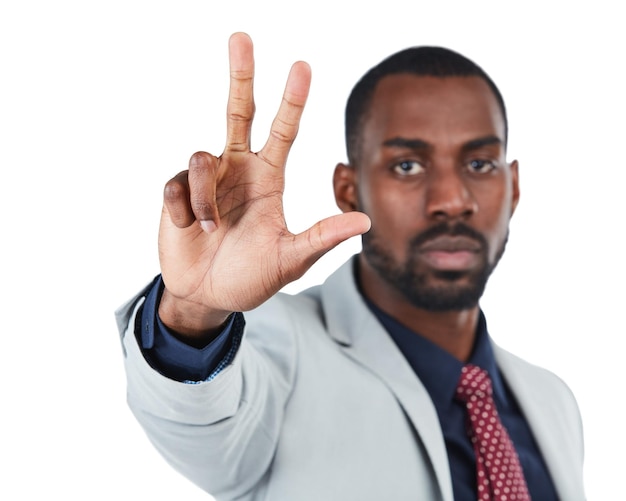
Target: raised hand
x=223 y=241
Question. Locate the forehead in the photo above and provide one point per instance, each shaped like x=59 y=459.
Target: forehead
x=433 y=109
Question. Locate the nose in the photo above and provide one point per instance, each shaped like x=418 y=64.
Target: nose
x=448 y=195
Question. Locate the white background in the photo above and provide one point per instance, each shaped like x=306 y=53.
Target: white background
x=102 y=102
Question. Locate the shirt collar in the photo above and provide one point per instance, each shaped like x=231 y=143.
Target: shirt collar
x=436 y=368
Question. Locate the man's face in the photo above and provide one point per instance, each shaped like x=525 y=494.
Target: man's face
x=433 y=177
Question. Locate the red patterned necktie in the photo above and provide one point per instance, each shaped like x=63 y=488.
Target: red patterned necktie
x=499 y=473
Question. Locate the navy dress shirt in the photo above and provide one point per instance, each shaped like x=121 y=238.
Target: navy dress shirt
x=440 y=373
x=174 y=358
x=438 y=370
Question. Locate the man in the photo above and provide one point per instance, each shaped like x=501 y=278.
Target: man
x=360 y=388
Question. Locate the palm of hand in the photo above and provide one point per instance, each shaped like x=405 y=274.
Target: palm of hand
x=223 y=242
x=241 y=263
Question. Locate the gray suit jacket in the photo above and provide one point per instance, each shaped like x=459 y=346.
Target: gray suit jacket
x=319 y=404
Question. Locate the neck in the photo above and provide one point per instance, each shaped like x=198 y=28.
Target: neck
x=453 y=331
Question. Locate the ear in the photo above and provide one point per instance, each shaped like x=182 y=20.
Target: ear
x=344 y=184
x=515 y=194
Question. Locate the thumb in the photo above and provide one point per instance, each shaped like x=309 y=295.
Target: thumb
x=326 y=234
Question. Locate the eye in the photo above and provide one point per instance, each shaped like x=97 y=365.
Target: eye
x=481 y=166
x=408 y=168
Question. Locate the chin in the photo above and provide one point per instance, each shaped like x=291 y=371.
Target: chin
x=443 y=291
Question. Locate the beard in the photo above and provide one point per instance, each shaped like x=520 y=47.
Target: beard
x=433 y=290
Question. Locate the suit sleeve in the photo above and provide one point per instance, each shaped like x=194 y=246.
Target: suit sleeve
x=221 y=434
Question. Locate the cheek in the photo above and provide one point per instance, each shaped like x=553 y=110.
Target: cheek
x=391 y=211
x=496 y=214
x=395 y=222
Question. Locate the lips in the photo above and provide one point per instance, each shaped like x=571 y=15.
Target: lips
x=449 y=243
x=451 y=253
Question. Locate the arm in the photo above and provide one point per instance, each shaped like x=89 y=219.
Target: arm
x=224 y=247
x=178 y=360
x=220 y=434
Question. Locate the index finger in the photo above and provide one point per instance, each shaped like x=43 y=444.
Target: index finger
x=287 y=121
x=240 y=110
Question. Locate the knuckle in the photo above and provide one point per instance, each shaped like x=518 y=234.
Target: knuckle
x=174 y=190
x=197 y=157
x=241 y=115
x=241 y=105
x=202 y=208
x=243 y=76
x=282 y=132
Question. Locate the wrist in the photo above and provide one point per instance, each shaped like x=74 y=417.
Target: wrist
x=192 y=322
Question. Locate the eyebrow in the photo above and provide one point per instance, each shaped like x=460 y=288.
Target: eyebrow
x=412 y=144
x=420 y=144
x=474 y=144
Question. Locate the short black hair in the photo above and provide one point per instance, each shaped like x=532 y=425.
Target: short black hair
x=419 y=61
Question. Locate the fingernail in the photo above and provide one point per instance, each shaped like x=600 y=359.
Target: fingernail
x=208 y=226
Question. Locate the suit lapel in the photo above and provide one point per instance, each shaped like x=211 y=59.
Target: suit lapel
x=550 y=412
x=548 y=407
x=351 y=324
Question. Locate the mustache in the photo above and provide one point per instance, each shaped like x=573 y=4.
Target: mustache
x=451 y=230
